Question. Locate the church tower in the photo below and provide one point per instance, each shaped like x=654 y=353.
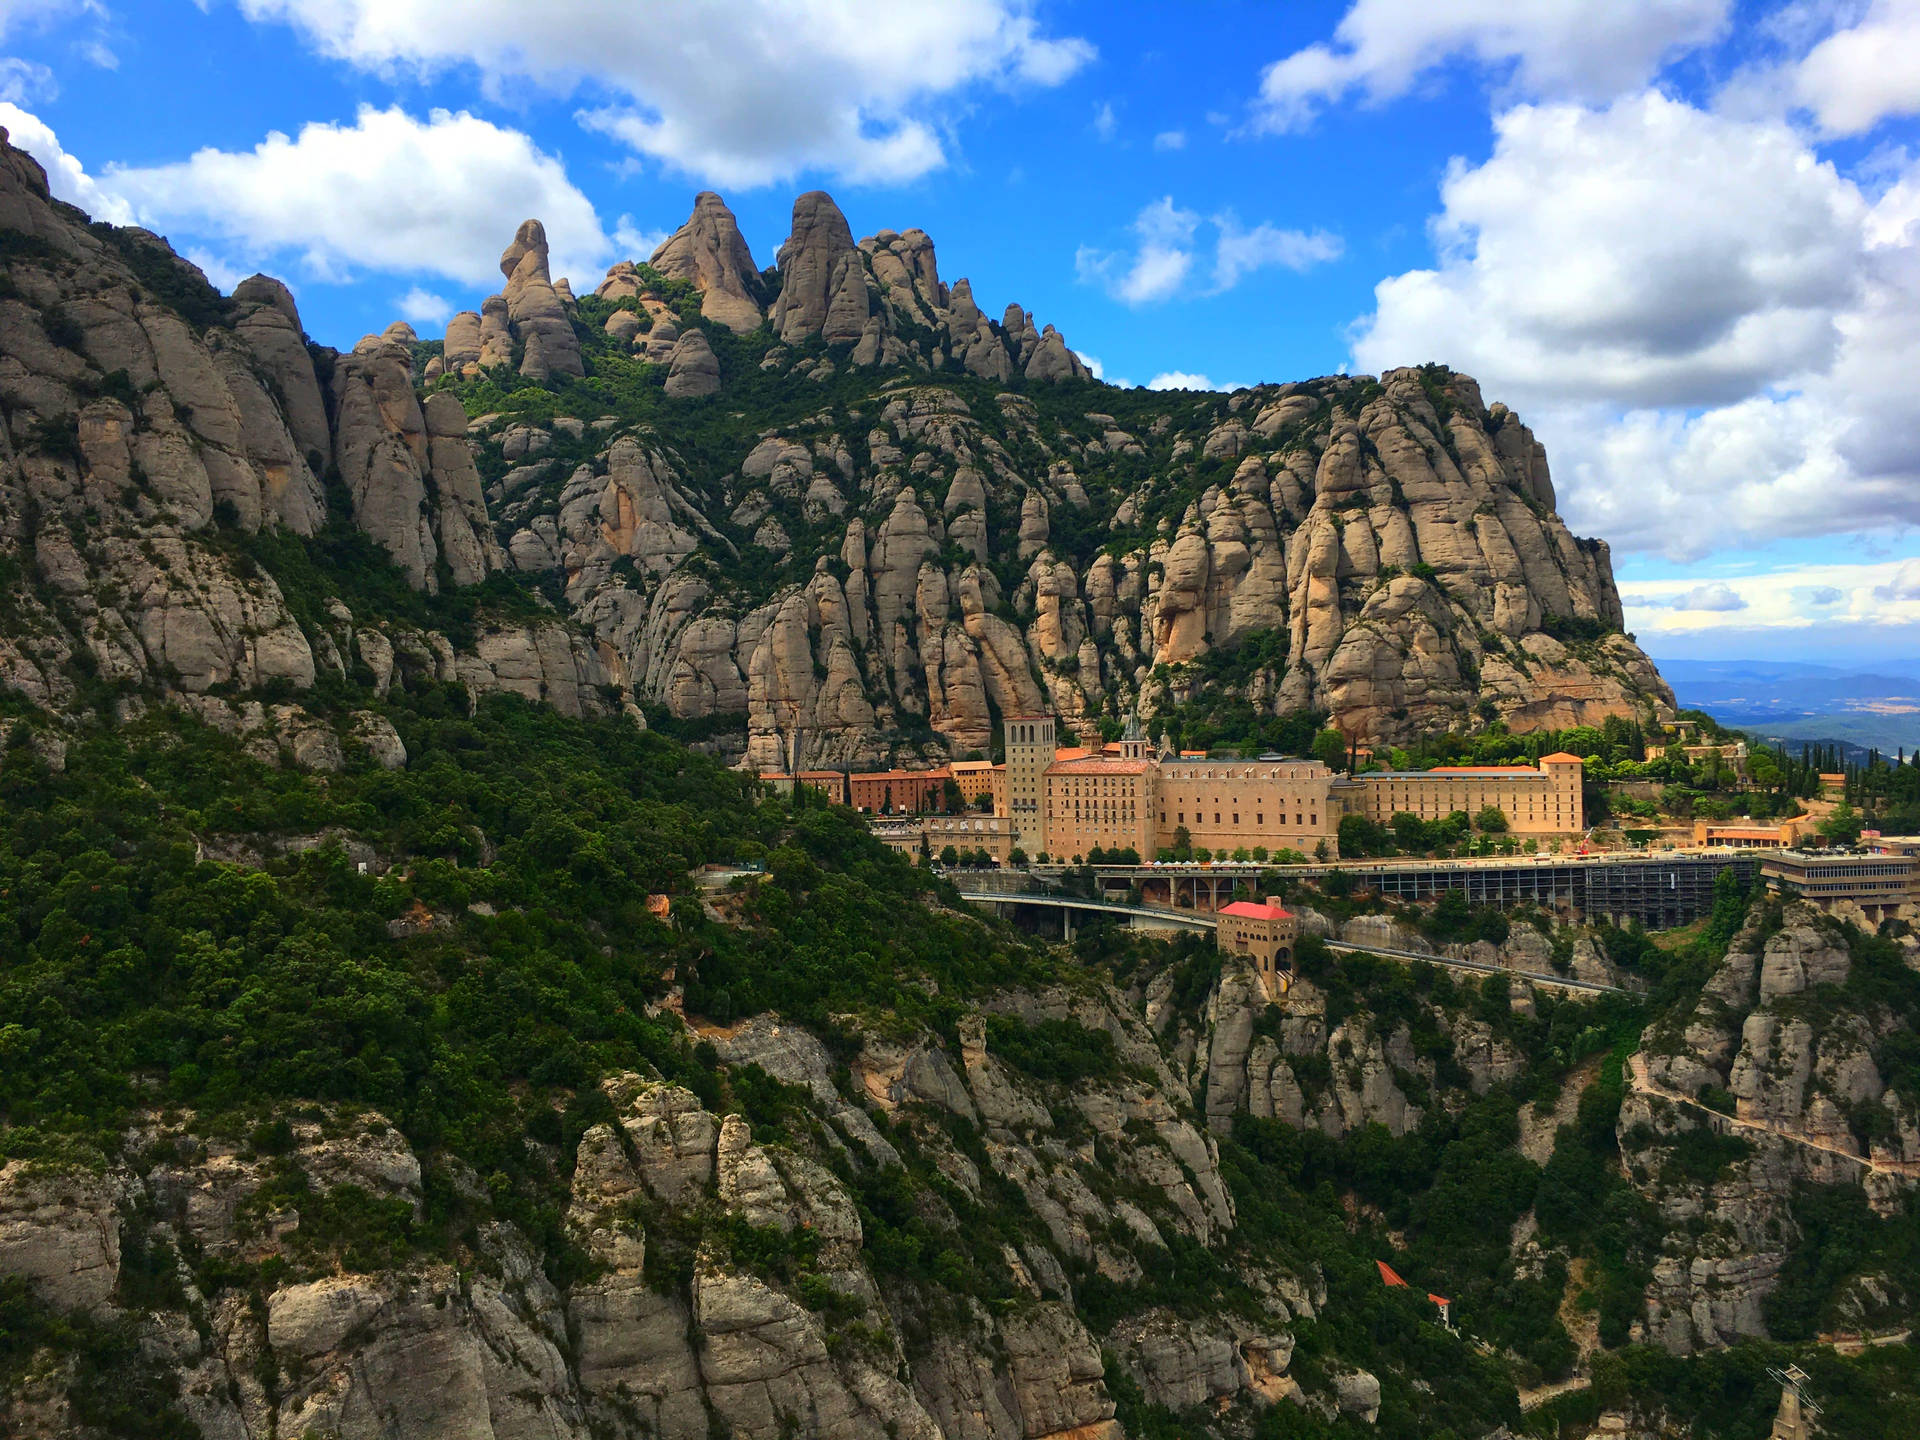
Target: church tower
x=1030 y=747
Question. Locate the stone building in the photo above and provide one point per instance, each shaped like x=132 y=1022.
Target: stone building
x=1068 y=802
x=830 y=783
x=898 y=792
x=1227 y=805
x=981 y=779
x=1264 y=932
x=1536 y=801
x=1030 y=751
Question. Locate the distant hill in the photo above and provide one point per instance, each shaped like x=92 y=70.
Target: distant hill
x=1794 y=702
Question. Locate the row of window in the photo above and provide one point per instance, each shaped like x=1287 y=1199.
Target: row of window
x=1259 y=818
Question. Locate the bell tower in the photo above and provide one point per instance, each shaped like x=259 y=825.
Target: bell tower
x=1030 y=747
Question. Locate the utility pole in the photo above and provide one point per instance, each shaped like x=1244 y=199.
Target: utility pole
x=1795 y=1420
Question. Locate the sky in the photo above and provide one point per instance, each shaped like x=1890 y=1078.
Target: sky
x=1681 y=238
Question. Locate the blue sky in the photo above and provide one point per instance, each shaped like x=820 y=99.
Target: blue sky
x=1680 y=237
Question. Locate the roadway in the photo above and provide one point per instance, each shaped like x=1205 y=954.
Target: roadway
x=1157 y=916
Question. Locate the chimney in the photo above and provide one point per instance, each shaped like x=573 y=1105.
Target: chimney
x=1273 y=900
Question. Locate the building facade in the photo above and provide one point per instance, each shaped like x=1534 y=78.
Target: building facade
x=1228 y=805
x=1264 y=932
x=1536 y=801
x=898 y=792
x=1067 y=803
x=1884 y=886
x=830 y=783
x=1030 y=747
x=981 y=780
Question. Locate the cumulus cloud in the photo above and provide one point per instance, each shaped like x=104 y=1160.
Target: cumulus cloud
x=1158 y=267
x=1861 y=75
x=1105 y=122
x=742 y=94
x=1904 y=585
x=1717 y=596
x=1648 y=253
x=1240 y=252
x=67 y=178
x=1190 y=380
x=1099 y=371
x=1170 y=140
x=422 y=307
x=1876 y=595
x=1555 y=49
x=1711 y=328
x=632 y=242
x=389 y=192
x=1164 y=257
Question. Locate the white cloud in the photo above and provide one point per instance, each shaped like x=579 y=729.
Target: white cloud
x=1159 y=266
x=1713 y=331
x=1105 y=122
x=1242 y=251
x=1170 y=140
x=423 y=307
x=630 y=242
x=1885 y=593
x=221 y=272
x=1190 y=380
x=745 y=93
x=388 y=192
x=66 y=177
x=1649 y=253
x=1861 y=75
x=25 y=82
x=1575 y=49
x=1717 y=596
x=1099 y=371
x=1905 y=584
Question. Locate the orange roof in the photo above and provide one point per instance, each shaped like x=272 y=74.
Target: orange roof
x=1480 y=770
x=1085 y=764
x=1386 y=1273
x=1251 y=910
x=1071 y=752
x=969 y=767
x=1561 y=757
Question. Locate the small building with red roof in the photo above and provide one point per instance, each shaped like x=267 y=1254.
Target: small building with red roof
x=1264 y=932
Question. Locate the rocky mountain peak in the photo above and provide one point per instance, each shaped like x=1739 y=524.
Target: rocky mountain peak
x=710 y=252
x=823 y=287
x=536 y=316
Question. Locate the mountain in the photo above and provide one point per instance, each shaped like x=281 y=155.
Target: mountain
x=1795 y=703
x=404 y=1031
x=825 y=514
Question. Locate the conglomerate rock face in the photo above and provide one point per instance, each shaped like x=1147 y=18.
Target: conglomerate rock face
x=669 y=1327
x=1779 y=1042
x=883 y=577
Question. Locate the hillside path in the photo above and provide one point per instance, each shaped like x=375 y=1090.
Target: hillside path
x=1643 y=1082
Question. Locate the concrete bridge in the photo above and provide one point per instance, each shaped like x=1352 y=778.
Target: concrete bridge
x=1157 y=917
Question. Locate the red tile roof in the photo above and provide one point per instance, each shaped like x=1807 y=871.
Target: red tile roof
x=1251 y=910
x=1561 y=757
x=1084 y=764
